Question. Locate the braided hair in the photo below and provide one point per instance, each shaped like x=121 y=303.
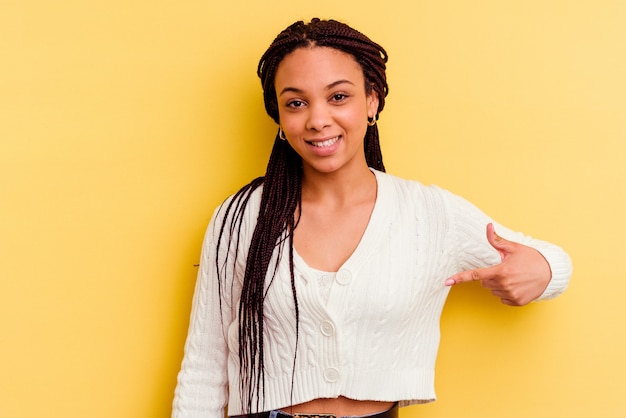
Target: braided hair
x=282 y=189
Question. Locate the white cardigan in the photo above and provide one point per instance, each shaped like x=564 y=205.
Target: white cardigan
x=378 y=335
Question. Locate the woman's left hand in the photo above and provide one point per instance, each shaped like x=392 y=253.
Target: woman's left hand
x=521 y=277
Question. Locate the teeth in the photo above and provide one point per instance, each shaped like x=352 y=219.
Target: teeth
x=327 y=143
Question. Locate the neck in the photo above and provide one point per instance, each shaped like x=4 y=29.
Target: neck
x=339 y=187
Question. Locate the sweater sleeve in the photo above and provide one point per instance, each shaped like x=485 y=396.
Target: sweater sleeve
x=474 y=251
x=202 y=389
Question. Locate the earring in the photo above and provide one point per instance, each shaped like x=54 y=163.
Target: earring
x=371 y=121
x=281 y=134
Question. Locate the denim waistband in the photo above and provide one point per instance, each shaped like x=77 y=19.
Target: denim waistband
x=390 y=413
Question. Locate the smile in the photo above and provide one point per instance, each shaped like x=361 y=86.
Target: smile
x=325 y=143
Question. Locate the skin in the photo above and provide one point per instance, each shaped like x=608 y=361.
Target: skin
x=323 y=109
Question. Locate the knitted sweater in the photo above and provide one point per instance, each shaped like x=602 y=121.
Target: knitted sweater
x=376 y=337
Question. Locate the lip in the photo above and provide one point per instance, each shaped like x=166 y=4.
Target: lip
x=324 y=146
x=324 y=142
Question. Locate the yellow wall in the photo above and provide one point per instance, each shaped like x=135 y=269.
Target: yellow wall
x=123 y=124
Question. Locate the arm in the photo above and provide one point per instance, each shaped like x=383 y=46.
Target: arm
x=524 y=269
x=202 y=388
x=522 y=276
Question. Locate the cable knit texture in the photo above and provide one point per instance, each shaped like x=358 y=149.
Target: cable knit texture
x=377 y=336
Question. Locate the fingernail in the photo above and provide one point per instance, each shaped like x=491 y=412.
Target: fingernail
x=450 y=282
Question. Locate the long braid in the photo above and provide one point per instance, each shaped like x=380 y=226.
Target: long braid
x=282 y=191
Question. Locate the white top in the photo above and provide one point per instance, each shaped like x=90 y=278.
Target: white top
x=376 y=337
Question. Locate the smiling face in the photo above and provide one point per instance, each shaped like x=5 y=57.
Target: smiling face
x=323 y=108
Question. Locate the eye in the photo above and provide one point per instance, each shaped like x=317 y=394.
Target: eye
x=339 y=97
x=295 y=103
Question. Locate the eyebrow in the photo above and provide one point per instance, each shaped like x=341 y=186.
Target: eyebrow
x=328 y=87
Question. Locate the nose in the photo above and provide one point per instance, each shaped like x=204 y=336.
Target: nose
x=319 y=117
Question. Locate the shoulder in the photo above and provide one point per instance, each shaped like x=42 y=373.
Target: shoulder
x=426 y=202
x=247 y=199
x=407 y=189
x=238 y=211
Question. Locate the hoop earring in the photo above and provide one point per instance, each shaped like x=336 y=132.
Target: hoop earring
x=371 y=121
x=281 y=134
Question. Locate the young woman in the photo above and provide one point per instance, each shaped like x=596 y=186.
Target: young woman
x=322 y=283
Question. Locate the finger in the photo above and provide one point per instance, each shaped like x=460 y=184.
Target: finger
x=510 y=299
x=503 y=246
x=472 y=275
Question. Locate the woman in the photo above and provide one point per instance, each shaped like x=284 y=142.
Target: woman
x=322 y=283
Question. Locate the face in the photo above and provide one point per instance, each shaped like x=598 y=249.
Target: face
x=323 y=108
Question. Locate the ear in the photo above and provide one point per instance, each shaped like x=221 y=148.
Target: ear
x=372 y=104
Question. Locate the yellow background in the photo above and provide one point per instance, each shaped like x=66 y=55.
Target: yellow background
x=124 y=123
